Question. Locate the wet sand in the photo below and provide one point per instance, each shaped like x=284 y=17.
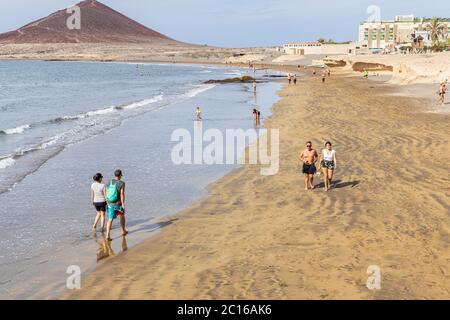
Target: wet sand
x=258 y=237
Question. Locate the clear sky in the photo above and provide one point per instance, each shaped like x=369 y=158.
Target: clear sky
x=238 y=23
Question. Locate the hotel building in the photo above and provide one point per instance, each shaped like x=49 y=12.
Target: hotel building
x=388 y=34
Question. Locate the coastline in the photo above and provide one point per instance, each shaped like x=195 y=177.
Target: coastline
x=41 y=278
x=282 y=243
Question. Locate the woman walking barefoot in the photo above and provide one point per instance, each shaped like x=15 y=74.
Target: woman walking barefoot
x=98 y=196
x=328 y=164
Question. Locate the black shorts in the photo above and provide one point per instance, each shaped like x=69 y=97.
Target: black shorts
x=328 y=164
x=100 y=206
x=309 y=169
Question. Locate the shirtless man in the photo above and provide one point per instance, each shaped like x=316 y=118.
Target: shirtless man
x=309 y=157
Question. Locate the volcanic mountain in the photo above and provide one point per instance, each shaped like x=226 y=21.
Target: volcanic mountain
x=99 y=24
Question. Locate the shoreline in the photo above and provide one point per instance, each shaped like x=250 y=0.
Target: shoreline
x=247 y=269
x=84 y=253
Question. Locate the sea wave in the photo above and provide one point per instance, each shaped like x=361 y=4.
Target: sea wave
x=6 y=162
x=199 y=89
x=16 y=130
x=143 y=103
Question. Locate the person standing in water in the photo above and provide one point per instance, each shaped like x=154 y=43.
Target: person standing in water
x=115 y=196
x=295 y=79
x=289 y=78
x=198 y=114
x=309 y=157
x=254 y=86
x=98 y=197
x=328 y=164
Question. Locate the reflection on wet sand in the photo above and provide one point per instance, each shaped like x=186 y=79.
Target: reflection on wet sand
x=105 y=249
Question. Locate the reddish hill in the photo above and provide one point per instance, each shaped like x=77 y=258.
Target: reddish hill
x=99 y=24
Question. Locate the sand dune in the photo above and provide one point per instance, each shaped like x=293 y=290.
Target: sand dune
x=258 y=237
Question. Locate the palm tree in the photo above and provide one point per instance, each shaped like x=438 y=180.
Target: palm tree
x=436 y=30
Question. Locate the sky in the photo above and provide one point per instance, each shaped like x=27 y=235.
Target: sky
x=238 y=23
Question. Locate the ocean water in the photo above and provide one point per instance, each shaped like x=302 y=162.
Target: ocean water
x=61 y=122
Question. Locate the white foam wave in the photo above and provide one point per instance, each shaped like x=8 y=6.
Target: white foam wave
x=199 y=89
x=6 y=162
x=17 y=130
x=144 y=102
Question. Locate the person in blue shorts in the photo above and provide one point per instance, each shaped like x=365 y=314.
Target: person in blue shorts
x=115 y=197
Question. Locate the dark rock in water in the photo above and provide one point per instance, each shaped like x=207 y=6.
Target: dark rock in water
x=244 y=79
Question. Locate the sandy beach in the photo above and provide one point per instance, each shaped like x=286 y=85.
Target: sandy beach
x=257 y=237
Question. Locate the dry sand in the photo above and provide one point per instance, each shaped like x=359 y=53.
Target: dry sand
x=258 y=237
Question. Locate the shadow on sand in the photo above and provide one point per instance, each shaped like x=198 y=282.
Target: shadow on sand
x=338 y=184
x=155 y=226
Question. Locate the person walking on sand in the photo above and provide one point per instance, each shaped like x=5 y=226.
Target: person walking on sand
x=328 y=164
x=295 y=79
x=324 y=76
x=98 y=197
x=115 y=196
x=289 y=78
x=198 y=114
x=442 y=91
x=365 y=74
x=309 y=157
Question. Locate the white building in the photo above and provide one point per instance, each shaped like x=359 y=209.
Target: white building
x=391 y=33
x=305 y=48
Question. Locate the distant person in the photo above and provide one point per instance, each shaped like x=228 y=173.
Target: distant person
x=98 y=197
x=365 y=74
x=324 y=76
x=329 y=72
x=328 y=164
x=442 y=91
x=255 y=114
x=198 y=114
x=295 y=79
x=309 y=157
x=254 y=86
x=289 y=78
x=314 y=72
x=115 y=196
